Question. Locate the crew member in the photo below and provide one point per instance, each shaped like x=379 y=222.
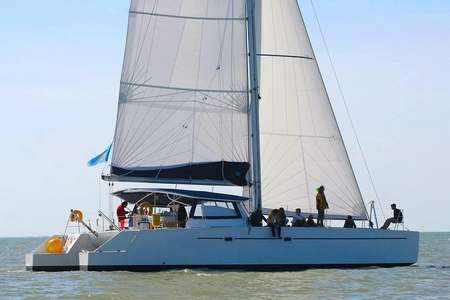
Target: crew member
x=397 y=218
x=274 y=223
x=122 y=213
x=321 y=205
x=298 y=220
x=181 y=216
x=349 y=223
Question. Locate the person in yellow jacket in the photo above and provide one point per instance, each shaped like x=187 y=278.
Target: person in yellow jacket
x=274 y=223
x=321 y=205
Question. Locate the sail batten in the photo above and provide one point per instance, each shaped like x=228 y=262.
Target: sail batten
x=185 y=17
x=178 y=88
x=284 y=55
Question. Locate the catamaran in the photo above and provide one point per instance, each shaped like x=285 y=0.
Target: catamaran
x=225 y=93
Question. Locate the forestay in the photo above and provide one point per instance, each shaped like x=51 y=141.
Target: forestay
x=183 y=101
x=301 y=146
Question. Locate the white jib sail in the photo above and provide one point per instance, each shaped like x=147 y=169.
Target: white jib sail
x=183 y=96
x=301 y=146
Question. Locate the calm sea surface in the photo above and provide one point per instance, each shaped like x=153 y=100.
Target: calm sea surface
x=428 y=279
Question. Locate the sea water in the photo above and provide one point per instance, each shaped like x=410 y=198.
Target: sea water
x=428 y=279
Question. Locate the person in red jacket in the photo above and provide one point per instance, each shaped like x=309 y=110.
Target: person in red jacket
x=122 y=213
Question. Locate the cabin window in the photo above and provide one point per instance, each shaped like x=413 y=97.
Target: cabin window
x=215 y=210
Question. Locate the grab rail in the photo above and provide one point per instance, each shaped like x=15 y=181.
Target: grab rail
x=102 y=214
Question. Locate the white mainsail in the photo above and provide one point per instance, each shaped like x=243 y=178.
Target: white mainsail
x=183 y=101
x=301 y=145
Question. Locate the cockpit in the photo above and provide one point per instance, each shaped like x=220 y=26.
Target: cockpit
x=172 y=208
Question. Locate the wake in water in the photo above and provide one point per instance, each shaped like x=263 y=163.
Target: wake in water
x=431 y=265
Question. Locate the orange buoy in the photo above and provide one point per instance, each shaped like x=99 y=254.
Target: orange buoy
x=54 y=245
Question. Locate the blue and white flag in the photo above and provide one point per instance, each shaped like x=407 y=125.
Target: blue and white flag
x=101 y=158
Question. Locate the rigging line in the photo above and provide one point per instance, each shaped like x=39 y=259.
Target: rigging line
x=341 y=92
x=283 y=56
x=183 y=88
x=186 y=17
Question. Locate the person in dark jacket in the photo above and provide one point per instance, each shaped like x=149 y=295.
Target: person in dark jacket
x=256 y=218
x=283 y=218
x=349 y=223
x=397 y=218
x=181 y=216
x=310 y=222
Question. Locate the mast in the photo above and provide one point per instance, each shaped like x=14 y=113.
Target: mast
x=254 y=107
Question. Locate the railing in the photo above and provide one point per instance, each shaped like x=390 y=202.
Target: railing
x=102 y=214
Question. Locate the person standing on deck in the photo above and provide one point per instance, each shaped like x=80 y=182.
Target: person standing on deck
x=122 y=213
x=181 y=216
x=321 y=205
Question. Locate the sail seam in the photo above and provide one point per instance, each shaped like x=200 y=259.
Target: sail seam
x=183 y=88
x=185 y=17
x=284 y=55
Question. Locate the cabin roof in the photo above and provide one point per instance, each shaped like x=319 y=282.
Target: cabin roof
x=162 y=197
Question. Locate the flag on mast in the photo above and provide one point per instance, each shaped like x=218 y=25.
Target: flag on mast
x=101 y=158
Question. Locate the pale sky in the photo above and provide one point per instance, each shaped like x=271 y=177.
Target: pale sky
x=60 y=64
